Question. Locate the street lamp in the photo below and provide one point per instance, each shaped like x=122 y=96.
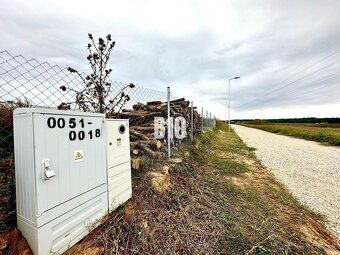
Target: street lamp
x=236 y=77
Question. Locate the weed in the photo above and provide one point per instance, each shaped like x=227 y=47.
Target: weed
x=228 y=166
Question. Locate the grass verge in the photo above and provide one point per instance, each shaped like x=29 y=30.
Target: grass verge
x=326 y=135
x=217 y=200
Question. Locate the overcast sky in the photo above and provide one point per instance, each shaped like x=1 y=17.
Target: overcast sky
x=286 y=52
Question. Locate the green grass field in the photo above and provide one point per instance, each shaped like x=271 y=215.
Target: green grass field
x=323 y=133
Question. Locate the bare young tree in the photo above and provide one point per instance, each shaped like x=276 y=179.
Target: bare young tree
x=95 y=96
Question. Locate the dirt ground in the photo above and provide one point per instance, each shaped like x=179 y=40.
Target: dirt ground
x=217 y=199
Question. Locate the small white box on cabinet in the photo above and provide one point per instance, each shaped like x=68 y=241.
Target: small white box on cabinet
x=118 y=162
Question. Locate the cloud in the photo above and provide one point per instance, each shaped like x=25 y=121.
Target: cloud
x=194 y=46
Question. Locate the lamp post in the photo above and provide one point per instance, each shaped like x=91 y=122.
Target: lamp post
x=236 y=77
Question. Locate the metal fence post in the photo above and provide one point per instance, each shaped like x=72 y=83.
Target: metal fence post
x=169 y=124
x=207 y=119
x=202 y=121
x=192 y=120
x=211 y=122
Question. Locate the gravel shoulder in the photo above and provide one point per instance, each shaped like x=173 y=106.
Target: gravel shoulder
x=309 y=170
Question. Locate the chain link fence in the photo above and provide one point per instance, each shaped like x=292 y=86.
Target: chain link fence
x=30 y=83
x=208 y=121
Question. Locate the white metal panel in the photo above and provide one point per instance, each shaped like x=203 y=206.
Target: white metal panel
x=118 y=143
x=118 y=162
x=30 y=110
x=24 y=165
x=65 y=207
x=119 y=185
x=72 y=178
x=63 y=232
x=53 y=213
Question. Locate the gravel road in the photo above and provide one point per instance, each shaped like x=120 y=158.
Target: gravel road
x=309 y=170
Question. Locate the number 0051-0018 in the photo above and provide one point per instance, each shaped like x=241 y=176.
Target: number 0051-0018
x=72 y=123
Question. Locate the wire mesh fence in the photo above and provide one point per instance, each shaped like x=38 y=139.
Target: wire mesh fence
x=208 y=121
x=30 y=83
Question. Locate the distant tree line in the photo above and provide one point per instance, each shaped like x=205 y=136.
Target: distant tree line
x=309 y=120
x=306 y=120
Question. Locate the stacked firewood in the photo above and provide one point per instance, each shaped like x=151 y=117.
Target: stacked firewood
x=142 y=126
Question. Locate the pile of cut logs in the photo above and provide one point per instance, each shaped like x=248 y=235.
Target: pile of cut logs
x=142 y=126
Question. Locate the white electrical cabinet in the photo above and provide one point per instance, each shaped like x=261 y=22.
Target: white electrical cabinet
x=61 y=176
x=118 y=162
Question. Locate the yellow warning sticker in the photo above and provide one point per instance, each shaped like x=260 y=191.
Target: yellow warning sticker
x=78 y=155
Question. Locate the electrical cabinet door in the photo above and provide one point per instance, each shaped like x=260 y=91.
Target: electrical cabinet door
x=71 y=149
